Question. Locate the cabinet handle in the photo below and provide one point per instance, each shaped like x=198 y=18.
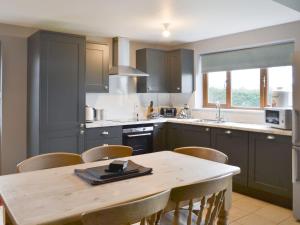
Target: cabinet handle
x=105 y=87
x=271 y=137
x=82 y=125
x=207 y=129
x=228 y=132
x=81 y=132
x=104 y=133
x=178 y=88
x=156 y=125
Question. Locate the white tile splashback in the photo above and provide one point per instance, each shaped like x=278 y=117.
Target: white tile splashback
x=125 y=106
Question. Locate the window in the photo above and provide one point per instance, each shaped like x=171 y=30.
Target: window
x=245 y=88
x=248 y=88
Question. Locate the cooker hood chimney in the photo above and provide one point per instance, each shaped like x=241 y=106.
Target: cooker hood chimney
x=121 y=59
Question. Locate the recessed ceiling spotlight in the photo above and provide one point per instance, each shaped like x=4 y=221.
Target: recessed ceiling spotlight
x=166 y=32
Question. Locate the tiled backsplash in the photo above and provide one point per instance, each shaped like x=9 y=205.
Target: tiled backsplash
x=126 y=106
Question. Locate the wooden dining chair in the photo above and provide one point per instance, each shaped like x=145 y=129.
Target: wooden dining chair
x=211 y=194
x=106 y=152
x=147 y=209
x=47 y=161
x=204 y=153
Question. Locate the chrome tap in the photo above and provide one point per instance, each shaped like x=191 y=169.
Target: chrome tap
x=218 y=113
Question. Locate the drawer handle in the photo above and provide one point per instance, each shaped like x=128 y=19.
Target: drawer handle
x=178 y=88
x=207 y=129
x=82 y=132
x=104 y=133
x=271 y=137
x=156 y=125
x=228 y=132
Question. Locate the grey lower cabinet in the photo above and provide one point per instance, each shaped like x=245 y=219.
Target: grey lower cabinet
x=153 y=62
x=97 y=65
x=181 y=135
x=160 y=137
x=270 y=167
x=170 y=71
x=234 y=144
x=55 y=93
x=102 y=136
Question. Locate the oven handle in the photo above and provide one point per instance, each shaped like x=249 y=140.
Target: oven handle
x=139 y=135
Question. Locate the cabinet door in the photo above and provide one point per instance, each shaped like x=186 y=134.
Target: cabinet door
x=97 y=63
x=235 y=145
x=174 y=71
x=160 y=137
x=62 y=92
x=270 y=164
x=172 y=136
x=152 y=61
x=194 y=136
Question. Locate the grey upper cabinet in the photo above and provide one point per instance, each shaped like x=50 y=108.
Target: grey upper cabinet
x=270 y=165
x=169 y=71
x=151 y=61
x=180 y=71
x=56 y=92
x=97 y=65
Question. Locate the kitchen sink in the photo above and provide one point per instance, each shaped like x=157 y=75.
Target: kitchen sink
x=210 y=121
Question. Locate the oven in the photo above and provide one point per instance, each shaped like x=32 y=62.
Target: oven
x=139 y=137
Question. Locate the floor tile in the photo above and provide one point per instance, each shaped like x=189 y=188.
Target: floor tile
x=290 y=221
x=249 y=204
x=274 y=213
x=254 y=219
x=236 y=213
x=236 y=196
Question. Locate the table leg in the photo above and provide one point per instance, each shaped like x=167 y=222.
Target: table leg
x=224 y=213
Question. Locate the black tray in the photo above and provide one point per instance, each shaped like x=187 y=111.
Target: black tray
x=86 y=175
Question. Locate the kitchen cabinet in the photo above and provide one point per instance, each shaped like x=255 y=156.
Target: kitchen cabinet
x=180 y=70
x=173 y=134
x=160 y=137
x=152 y=61
x=103 y=136
x=169 y=71
x=97 y=65
x=56 y=92
x=191 y=135
x=234 y=144
x=270 y=166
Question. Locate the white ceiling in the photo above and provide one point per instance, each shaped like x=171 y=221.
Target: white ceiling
x=190 y=20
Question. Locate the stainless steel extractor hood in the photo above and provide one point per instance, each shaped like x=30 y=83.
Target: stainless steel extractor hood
x=121 y=59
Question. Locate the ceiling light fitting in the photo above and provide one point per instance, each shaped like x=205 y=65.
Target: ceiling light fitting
x=166 y=32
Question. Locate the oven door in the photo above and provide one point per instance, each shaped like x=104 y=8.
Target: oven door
x=140 y=142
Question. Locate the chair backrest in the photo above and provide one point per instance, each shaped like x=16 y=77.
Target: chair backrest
x=129 y=213
x=211 y=194
x=47 y=161
x=204 y=153
x=106 y=152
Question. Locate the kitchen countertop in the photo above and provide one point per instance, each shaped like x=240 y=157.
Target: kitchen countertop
x=225 y=125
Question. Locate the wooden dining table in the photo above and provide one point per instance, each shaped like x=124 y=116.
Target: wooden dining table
x=58 y=196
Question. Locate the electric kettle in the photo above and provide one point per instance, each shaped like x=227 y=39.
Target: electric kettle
x=89 y=114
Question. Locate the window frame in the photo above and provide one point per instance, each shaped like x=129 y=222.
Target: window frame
x=228 y=104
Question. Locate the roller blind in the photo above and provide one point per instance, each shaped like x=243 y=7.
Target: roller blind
x=258 y=57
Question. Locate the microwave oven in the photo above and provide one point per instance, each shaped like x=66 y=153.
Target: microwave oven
x=279 y=118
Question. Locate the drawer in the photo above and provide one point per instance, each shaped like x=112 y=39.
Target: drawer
x=103 y=132
x=91 y=143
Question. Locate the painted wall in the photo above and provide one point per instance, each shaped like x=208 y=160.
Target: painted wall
x=270 y=35
x=14 y=89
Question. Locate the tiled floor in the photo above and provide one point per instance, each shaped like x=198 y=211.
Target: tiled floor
x=250 y=211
